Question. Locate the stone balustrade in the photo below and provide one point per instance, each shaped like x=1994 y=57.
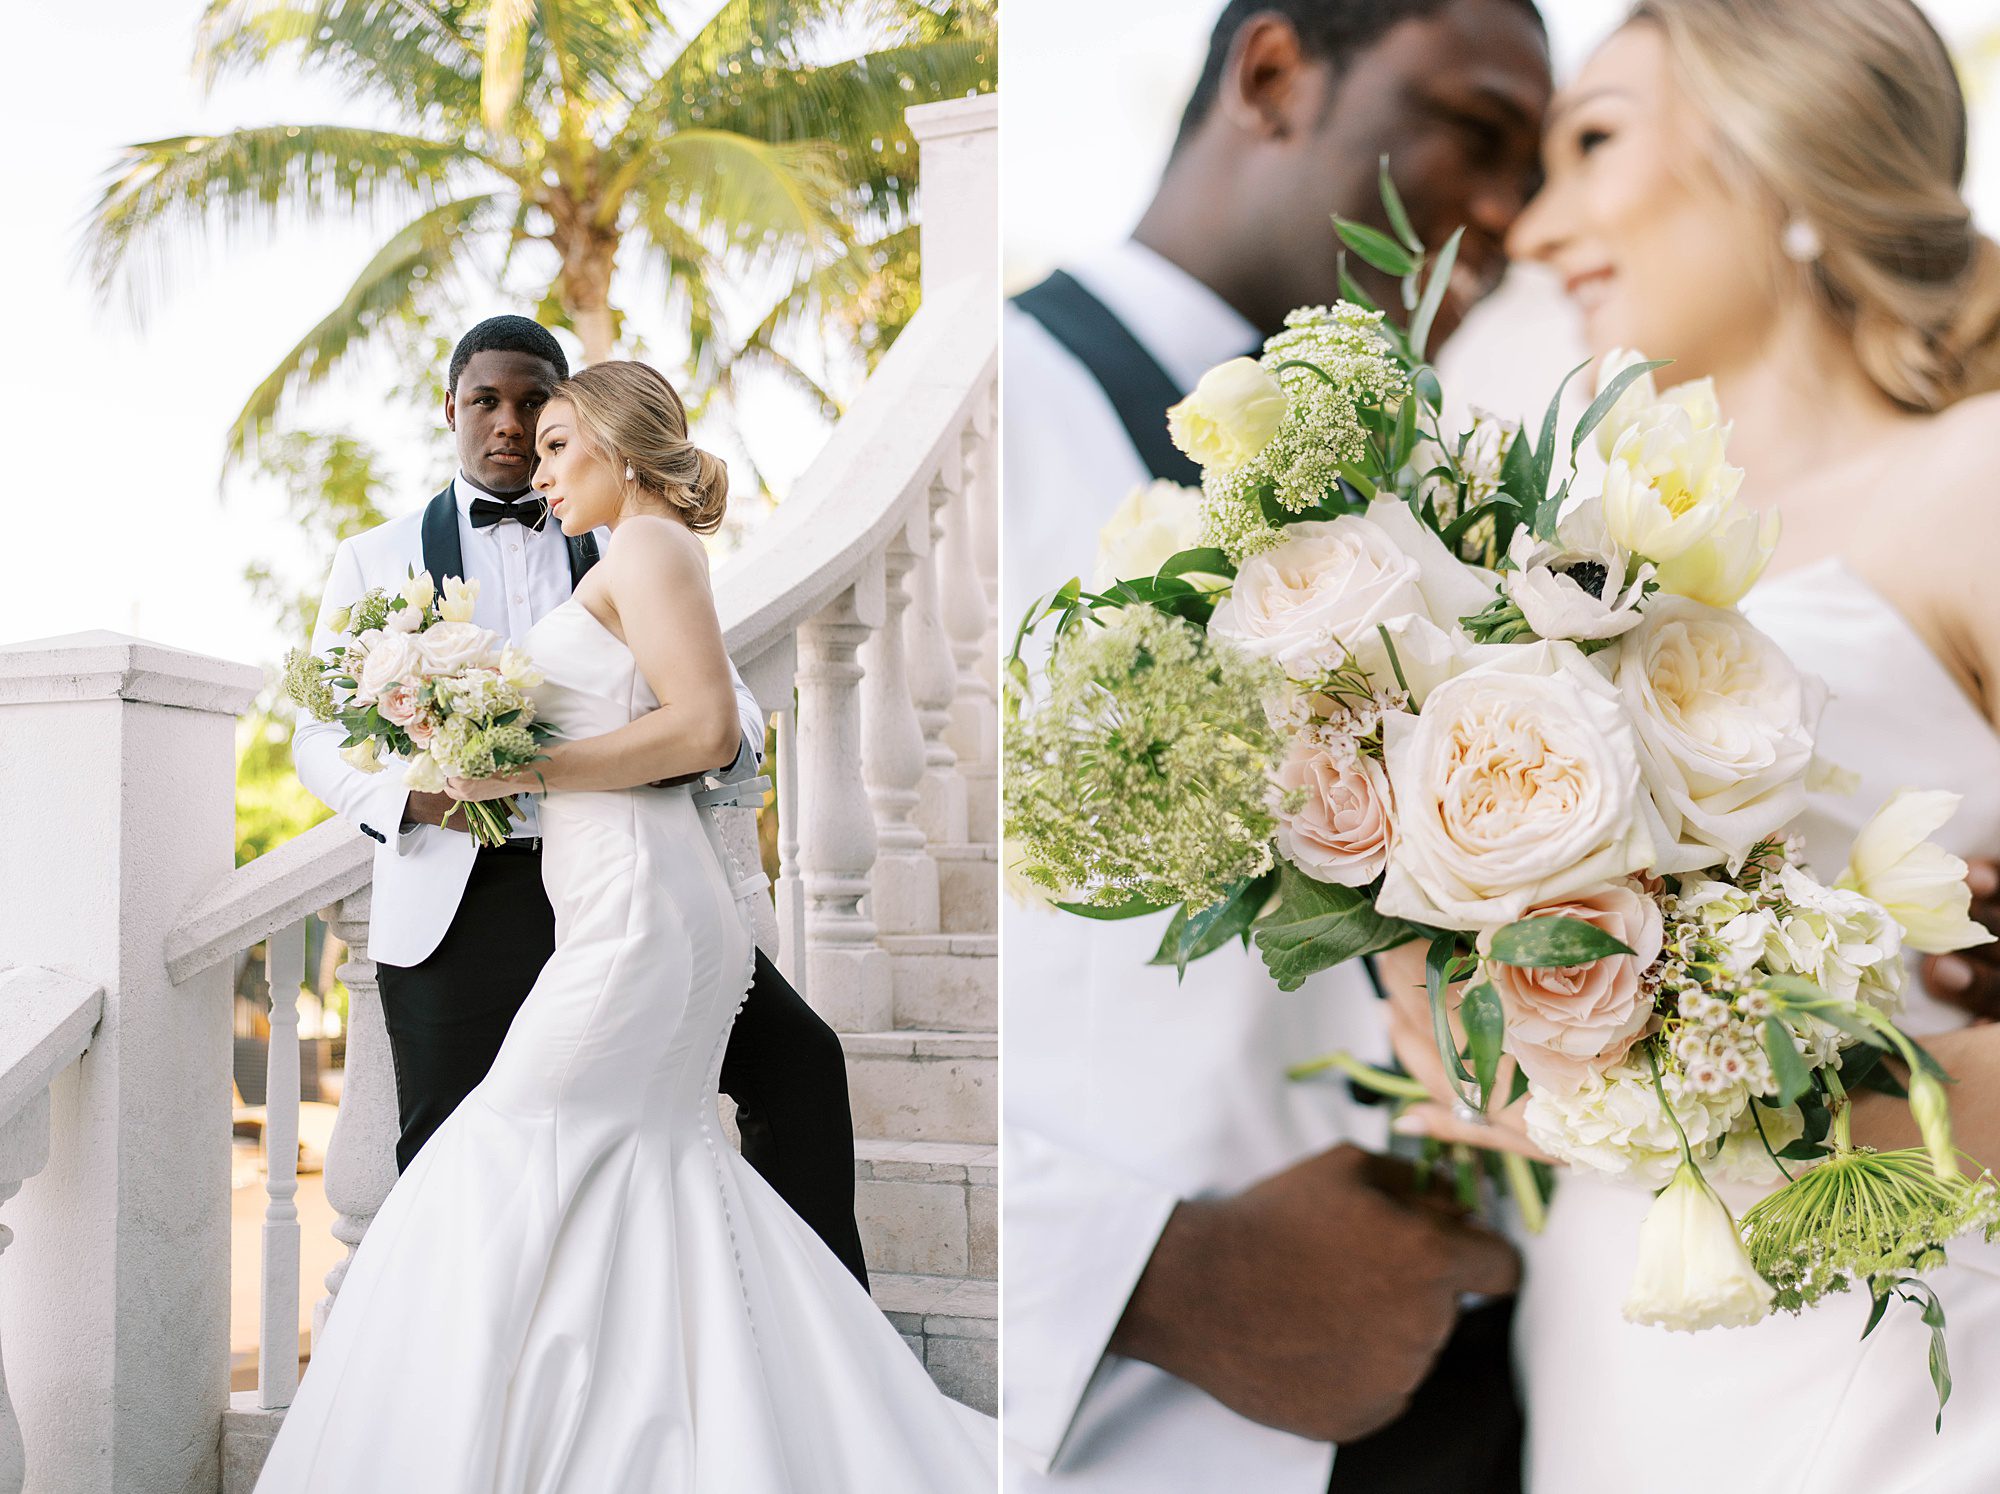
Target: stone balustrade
x=860 y=614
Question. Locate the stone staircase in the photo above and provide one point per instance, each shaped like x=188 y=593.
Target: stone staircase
x=926 y=1098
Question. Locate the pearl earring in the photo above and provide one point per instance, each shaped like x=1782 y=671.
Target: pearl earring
x=629 y=473
x=1801 y=242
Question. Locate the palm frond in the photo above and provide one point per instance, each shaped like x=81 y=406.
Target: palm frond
x=756 y=198
x=415 y=262
x=258 y=174
x=417 y=52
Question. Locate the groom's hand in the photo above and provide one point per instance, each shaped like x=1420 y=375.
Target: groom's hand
x=1970 y=979
x=430 y=809
x=1316 y=1301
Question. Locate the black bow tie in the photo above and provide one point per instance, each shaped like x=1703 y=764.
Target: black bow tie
x=530 y=512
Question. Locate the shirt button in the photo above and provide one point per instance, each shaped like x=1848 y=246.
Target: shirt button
x=519 y=598
x=515 y=547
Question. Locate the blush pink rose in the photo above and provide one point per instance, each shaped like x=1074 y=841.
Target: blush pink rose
x=399 y=704
x=1565 y=1025
x=1340 y=833
x=421 y=729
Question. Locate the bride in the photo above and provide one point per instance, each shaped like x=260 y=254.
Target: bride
x=1768 y=193
x=577 y=1285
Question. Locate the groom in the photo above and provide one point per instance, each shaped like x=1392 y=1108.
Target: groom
x=1205 y=1288
x=459 y=931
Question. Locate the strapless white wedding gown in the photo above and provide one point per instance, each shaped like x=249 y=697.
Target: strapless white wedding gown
x=578 y=1285
x=1795 y=1403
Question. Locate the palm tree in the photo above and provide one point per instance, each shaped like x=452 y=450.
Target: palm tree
x=550 y=137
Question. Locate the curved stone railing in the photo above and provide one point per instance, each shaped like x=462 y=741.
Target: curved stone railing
x=860 y=614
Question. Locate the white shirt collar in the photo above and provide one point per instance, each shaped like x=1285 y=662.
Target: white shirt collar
x=1181 y=322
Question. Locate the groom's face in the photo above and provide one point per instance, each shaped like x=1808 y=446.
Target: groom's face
x=493 y=411
x=1455 y=101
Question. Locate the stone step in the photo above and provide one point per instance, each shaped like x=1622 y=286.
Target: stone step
x=928 y=1208
x=953 y=1327
x=924 y=1086
x=968 y=888
x=944 y=982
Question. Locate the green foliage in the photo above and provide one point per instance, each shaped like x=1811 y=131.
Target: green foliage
x=766 y=147
x=1319 y=924
x=1541 y=943
x=271 y=805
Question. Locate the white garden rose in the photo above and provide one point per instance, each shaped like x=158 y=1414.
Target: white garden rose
x=390 y=659
x=1693 y=1271
x=449 y=647
x=1721 y=566
x=1517 y=785
x=1666 y=484
x=1154 y=523
x=459 y=597
x=1319 y=596
x=1923 y=886
x=1231 y=416
x=1725 y=727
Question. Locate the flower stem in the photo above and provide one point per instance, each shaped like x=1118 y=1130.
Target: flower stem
x=1843 y=1112
x=1395 y=1086
x=1527 y=1190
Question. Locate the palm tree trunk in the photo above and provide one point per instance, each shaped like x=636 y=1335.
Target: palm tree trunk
x=586 y=283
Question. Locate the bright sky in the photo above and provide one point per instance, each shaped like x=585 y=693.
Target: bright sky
x=118 y=518
x=1078 y=176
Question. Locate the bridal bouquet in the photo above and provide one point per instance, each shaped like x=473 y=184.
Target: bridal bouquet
x=1382 y=681
x=414 y=677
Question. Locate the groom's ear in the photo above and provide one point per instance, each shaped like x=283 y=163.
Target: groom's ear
x=1263 y=87
x=450 y=411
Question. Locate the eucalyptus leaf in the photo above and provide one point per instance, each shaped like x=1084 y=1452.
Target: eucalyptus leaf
x=1207 y=561
x=1485 y=1026
x=1786 y=1066
x=1375 y=247
x=1437 y=984
x=1319 y=924
x=1435 y=285
x=1399 y=217
x=1545 y=943
x=1429 y=390
x=1593 y=416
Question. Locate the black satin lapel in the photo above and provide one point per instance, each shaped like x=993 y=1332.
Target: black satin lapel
x=442 y=553
x=582 y=556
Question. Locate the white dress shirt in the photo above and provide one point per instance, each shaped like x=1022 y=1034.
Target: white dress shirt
x=1127 y=1091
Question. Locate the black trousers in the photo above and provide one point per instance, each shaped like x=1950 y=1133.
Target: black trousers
x=1462 y=1431
x=783 y=1067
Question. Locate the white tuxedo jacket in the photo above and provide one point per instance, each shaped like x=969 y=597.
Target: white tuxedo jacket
x=1125 y=1090
x=420 y=873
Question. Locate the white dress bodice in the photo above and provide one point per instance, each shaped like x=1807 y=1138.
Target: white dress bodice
x=1794 y=1403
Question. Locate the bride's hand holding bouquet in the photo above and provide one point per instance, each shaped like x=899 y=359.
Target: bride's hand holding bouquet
x=415 y=680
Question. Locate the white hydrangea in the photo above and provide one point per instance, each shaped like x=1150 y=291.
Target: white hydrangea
x=1613 y=1122
x=1845 y=942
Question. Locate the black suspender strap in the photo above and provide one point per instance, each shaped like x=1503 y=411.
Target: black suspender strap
x=1138 y=388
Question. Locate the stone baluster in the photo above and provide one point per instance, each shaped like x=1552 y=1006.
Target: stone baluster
x=934 y=677
x=24 y=1151
x=984 y=486
x=903 y=894
x=966 y=612
x=278 y=1328
x=361 y=1156
x=847 y=971
x=789 y=892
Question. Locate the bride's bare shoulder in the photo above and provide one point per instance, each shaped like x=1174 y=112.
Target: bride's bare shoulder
x=653 y=543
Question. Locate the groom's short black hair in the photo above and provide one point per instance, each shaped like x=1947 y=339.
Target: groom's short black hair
x=1334 y=31
x=507 y=334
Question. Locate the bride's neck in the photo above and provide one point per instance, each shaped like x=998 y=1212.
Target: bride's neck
x=1800 y=402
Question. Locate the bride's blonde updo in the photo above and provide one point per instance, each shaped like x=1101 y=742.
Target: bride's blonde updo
x=1849 y=117
x=635 y=417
